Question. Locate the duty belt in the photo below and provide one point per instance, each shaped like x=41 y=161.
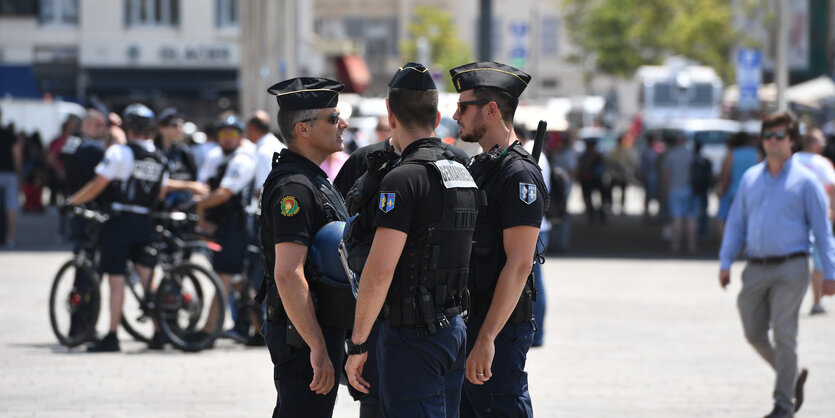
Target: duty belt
x=776 y=259
x=123 y=207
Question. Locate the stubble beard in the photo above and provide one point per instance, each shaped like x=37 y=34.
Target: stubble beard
x=476 y=134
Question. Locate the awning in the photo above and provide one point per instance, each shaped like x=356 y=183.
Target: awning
x=353 y=73
x=18 y=81
x=196 y=82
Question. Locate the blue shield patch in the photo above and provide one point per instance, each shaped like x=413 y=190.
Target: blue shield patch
x=527 y=193
x=386 y=202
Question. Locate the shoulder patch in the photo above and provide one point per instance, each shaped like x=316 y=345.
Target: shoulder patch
x=289 y=205
x=386 y=202
x=527 y=193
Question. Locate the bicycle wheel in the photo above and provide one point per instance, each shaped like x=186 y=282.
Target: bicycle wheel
x=135 y=320
x=74 y=303
x=191 y=307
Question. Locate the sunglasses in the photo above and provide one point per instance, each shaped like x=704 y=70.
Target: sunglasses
x=462 y=106
x=228 y=133
x=779 y=135
x=332 y=118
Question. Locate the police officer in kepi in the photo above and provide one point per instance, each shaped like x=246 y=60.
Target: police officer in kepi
x=500 y=326
x=306 y=321
x=416 y=272
x=359 y=182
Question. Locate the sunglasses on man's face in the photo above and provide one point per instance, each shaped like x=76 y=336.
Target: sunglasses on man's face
x=779 y=135
x=462 y=106
x=332 y=118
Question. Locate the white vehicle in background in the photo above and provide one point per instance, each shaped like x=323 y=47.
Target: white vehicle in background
x=33 y=115
x=679 y=89
x=713 y=134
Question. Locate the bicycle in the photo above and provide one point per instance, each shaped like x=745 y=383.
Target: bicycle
x=179 y=305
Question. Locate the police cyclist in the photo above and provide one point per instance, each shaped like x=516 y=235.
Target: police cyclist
x=500 y=326
x=296 y=202
x=132 y=178
x=416 y=271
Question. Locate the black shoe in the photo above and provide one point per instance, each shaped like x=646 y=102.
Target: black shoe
x=256 y=340
x=780 y=412
x=106 y=345
x=798 y=389
x=158 y=341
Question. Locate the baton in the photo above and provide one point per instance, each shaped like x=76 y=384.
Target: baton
x=537 y=142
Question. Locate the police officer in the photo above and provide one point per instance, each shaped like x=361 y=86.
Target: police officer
x=500 y=326
x=359 y=181
x=180 y=158
x=416 y=270
x=132 y=177
x=223 y=210
x=296 y=202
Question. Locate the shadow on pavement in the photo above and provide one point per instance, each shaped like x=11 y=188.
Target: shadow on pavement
x=629 y=236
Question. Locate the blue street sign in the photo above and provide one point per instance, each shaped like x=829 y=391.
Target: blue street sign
x=749 y=64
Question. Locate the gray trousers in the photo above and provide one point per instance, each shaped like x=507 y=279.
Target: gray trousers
x=770 y=298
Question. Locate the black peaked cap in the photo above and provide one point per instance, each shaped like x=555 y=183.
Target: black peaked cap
x=412 y=76
x=490 y=74
x=304 y=93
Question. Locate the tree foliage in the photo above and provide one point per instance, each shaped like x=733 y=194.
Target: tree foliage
x=438 y=28
x=617 y=36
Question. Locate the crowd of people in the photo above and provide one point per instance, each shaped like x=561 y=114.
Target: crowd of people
x=439 y=250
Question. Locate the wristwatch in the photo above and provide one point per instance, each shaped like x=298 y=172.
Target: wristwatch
x=352 y=349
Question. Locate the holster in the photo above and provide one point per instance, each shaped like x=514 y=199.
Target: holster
x=524 y=308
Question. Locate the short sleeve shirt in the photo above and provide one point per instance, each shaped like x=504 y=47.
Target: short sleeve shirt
x=407 y=199
x=267 y=146
x=520 y=197
x=294 y=209
x=239 y=173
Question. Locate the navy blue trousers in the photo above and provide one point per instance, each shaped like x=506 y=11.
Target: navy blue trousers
x=506 y=393
x=292 y=372
x=421 y=375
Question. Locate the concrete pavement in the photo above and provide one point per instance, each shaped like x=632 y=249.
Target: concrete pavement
x=624 y=337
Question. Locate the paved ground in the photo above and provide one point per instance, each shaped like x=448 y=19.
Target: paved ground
x=625 y=336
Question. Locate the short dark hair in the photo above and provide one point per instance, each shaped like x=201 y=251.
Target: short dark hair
x=414 y=108
x=506 y=102
x=287 y=120
x=782 y=118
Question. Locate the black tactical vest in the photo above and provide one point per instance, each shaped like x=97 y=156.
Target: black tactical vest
x=488 y=258
x=142 y=188
x=232 y=209
x=73 y=172
x=361 y=202
x=434 y=264
x=334 y=210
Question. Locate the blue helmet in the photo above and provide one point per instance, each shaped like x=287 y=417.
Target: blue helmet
x=138 y=118
x=334 y=290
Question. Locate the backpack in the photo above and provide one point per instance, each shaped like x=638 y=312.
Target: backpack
x=560 y=186
x=701 y=175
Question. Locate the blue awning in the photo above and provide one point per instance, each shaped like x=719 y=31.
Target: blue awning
x=18 y=81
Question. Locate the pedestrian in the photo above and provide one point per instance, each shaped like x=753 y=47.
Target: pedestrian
x=223 y=211
x=648 y=171
x=591 y=169
x=676 y=182
x=810 y=157
x=777 y=204
x=297 y=201
x=742 y=155
x=416 y=271
x=622 y=166
x=11 y=155
x=501 y=325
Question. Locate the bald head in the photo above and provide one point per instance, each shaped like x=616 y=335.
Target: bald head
x=257 y=125
x=814 y=141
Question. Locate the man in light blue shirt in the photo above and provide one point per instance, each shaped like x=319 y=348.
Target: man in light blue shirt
x=777 y=204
